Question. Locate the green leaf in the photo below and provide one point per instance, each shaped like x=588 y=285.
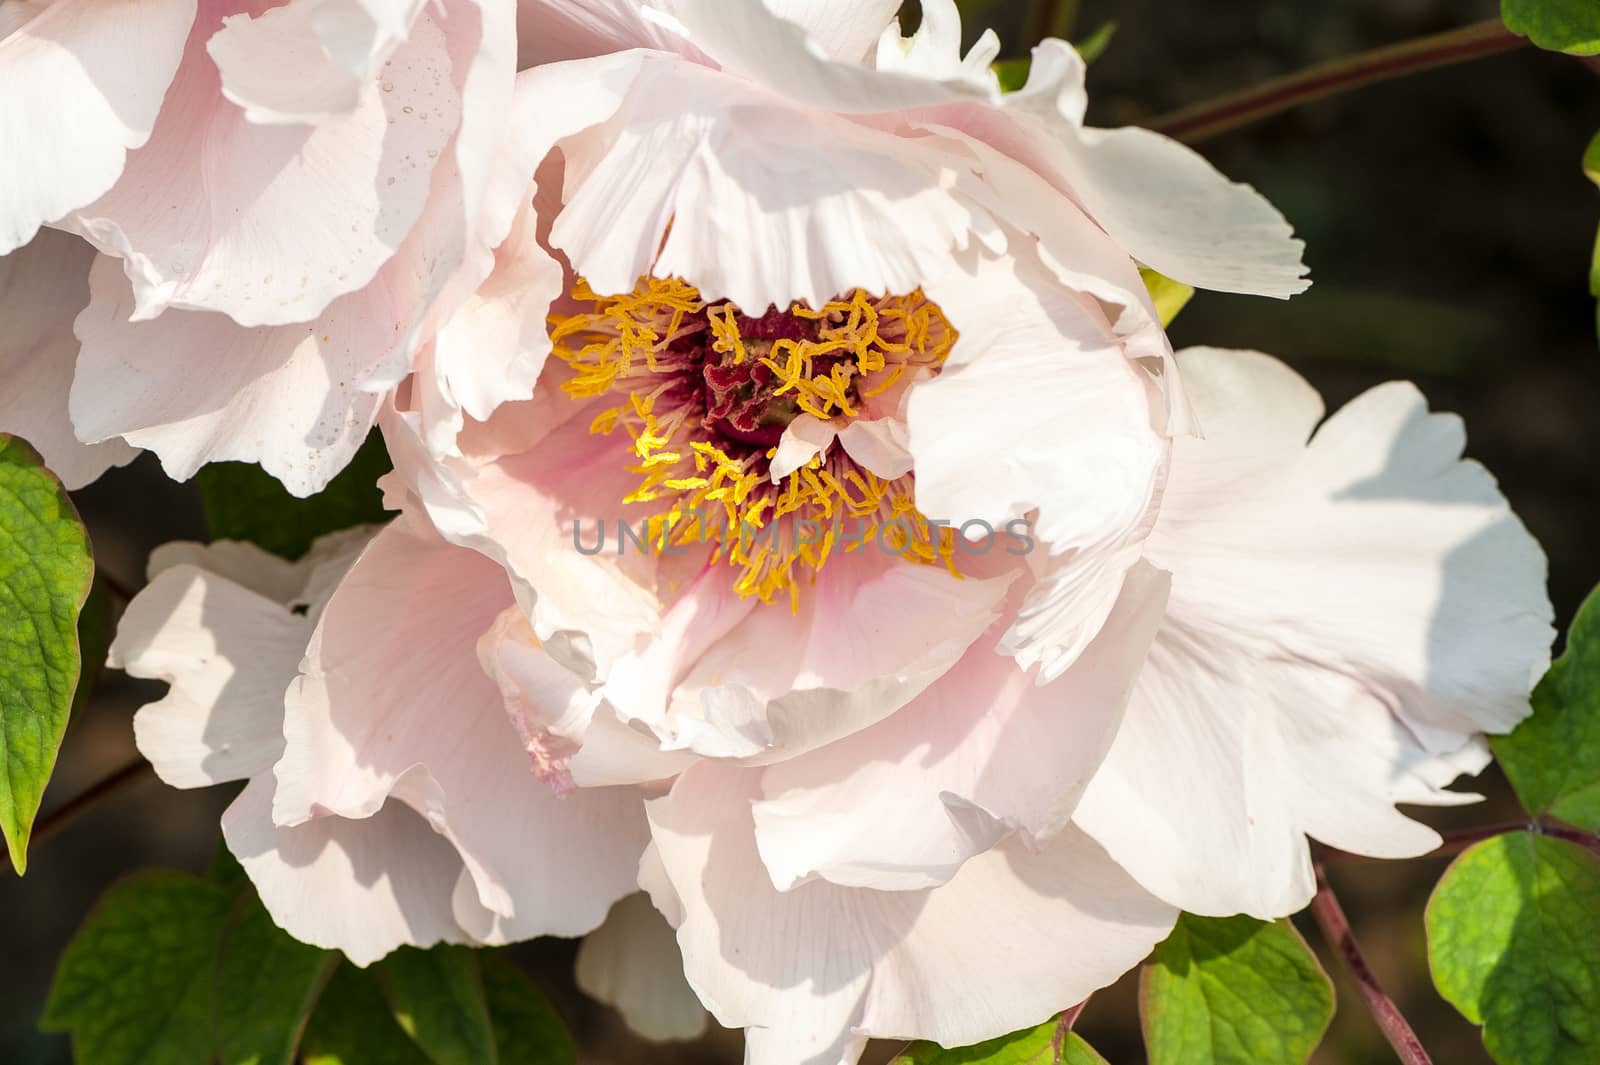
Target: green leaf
x=1553 y=758
x=1094 y=46
x=1571 y=26
x=134 y=985
x=1037 y=1046
x=1514 y=944
x=1170 y=296
x=352 y=1025
x=267 y=984
x=1233 y=991
x=46 y=569
x=245 y=502
x=438 y=997
x=527 y=1028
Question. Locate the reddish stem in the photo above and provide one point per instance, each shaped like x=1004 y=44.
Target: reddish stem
x=1210 y=118
x=79 y=804
x=1331 y=919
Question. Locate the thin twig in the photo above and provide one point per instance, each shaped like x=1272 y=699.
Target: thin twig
x=79 y=804
x=1572 y=835
x=114 y=586
x=1331 y=919
x=1206 y=120
x=1456 y=842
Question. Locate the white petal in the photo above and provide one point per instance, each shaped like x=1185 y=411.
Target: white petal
x=803 y=440
x=983 y=752
x=882 y=445
x=870 y=635
x=493 y=348
x=363 y=887
x=84 y=82
x=1160 y=200
x=42 y=288
x=632 y=963
x=934 y=51
x=1346 y=615
x=307 y=61
x=816 y=970
x=392 y=702
x=229 y=655
x=194 y=387
x=752 y=201
x=269 y=224
x=751 y=41
x=552 y=31
x=225 y=625
x=844 y=29
x=1039 y=418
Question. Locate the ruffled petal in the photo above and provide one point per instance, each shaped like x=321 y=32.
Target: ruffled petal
x=1058 y=440
x=493 y=348
x=229 y=655
x=552 y=31
x=551 y=515
x=364 y=887
x=982 y=753
x=843 y=29
x=632 y=963
x=84 y=82
x=814 y=971
x=555 y=30
x=308 y=61
x=225 y=625
x=704 y=177
x=869 y=635
x=269 y=224
x=300 y=399
x=196 y=388
x=410 y=714
x=1347 y=615
x=42 y=288
x=1161 y=201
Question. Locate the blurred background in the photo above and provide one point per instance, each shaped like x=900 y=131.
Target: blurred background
x=1449 y=228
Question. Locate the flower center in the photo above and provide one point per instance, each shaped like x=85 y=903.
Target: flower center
x=707 y=393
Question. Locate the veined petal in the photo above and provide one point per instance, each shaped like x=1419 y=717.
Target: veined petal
x=84 y=83
x=364 y=887
x=984 y=752
x=632 y=963
x=308 y=61
x=228 y=655
x=410 y=714
x=814 y=971
x=872 y=633
x=1068 y=448
x=199 y=215
x=1347 y=615
x=42 y=288
x=752 y=201
x=195 y=387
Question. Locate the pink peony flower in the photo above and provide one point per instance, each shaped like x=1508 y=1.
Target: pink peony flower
x=960 y=633
x=283 y=196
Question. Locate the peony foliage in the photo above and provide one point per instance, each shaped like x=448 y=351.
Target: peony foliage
x=423 y=294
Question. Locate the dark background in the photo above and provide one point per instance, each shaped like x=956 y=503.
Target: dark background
x=1449 y=228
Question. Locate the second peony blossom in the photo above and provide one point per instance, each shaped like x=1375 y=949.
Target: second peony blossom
x=809 y=525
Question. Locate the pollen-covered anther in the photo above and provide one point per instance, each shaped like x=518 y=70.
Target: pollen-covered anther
x=707 y=392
